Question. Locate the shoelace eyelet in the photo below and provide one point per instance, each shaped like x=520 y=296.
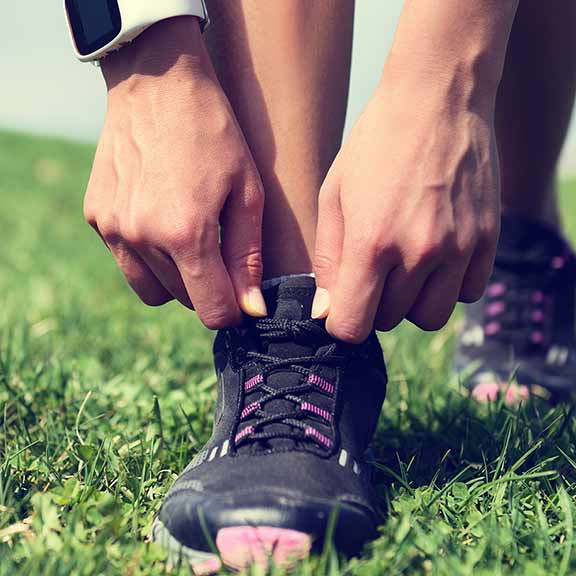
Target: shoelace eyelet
x=256 y=429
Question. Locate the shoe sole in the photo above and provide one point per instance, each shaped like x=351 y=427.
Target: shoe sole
x=239 y=547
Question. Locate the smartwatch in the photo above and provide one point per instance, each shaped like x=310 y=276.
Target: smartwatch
x=98 y=27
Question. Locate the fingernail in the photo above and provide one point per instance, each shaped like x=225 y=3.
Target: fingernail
x=321 y=303
x=253 y=303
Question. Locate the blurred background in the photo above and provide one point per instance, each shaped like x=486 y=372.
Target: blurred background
x=45 y=90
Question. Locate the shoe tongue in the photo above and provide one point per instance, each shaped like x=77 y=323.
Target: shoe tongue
x=290 y=300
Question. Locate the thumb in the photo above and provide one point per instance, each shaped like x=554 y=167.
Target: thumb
x=329 y=240
x=241 y=237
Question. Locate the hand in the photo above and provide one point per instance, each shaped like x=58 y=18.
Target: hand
x=409 y=212
x=171 y=166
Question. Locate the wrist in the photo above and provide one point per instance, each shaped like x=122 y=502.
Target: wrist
x=455 y=81
x=454 y=48
x=172 y=46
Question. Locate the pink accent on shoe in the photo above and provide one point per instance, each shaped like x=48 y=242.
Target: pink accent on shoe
x=537 y=337
x=320 y=383
x=492 y=328
x=558 y=262
x=251 y=382
x=516 y=395
x=249 y=409
x=486 y=392
x=537 y=297
x=309 y=407
x=207 y=567
x=309 y=431
x=537 y=316
x=243 y=546
x=495 y=308
x=243 y=433
x=496 y=289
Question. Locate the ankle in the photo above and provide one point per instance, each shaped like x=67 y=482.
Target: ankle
x=548 y=214
x=289 y=230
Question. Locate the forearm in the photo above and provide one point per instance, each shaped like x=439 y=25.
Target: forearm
x=456 y=47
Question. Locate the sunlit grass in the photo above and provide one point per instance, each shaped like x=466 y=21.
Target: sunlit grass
x=103 y=402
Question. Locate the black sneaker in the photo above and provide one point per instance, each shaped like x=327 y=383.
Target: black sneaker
x=523 y=327
x=296 y=411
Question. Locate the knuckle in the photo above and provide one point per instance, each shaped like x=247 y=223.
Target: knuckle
x=434 y=247
x=461 y=254
x=248 y=197
x=323 y=264
x=373 y=254
x=459 y=248
x=135 y=229
x=223 y=124
x=247 y=262
x=372 y=242
x=376 y=250
x=488 y=237
x=347 y=331
x=216 y=320
x=193 y=239
x=492 y=222
x=108 y=226
x=133 y=236
x=254 y=197
x=90 y=213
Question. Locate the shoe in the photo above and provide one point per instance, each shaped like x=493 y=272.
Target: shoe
x=523 y=327
x=285 y=466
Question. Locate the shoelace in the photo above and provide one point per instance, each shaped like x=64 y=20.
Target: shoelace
x=520 y=307
x=297 y=423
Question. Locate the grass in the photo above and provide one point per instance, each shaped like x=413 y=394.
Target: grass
x=103 y=402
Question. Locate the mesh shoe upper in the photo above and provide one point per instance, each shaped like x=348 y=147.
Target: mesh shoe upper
x=524 y=324
x=296 y=411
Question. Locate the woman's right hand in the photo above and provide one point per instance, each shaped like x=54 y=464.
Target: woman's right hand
x=174 y=191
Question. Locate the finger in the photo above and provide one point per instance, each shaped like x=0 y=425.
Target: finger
x=241 y=236
x=165 y=269
x=94 y=226
x=437 y=298
x=398 y=296
x=356 y=294
x=478 y=273
x=138 y=275
x=328 y=249
x=206 y=279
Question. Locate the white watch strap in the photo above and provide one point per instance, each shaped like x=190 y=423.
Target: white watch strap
x=137 y=15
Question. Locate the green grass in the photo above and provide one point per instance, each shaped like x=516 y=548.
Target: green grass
x=103 y=402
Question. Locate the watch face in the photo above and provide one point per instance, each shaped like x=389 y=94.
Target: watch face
x=94 y=23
